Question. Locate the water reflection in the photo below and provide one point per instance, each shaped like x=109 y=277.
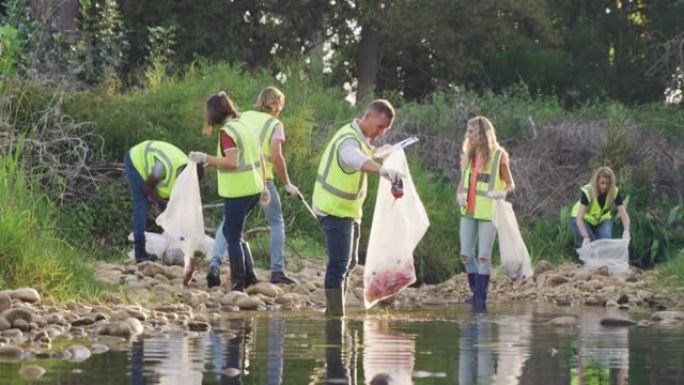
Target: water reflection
x=602 y=352
x=388 y=356
x=451 y=346
x=488 y=359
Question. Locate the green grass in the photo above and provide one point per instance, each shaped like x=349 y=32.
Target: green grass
x=672 y=271
x=31 y=254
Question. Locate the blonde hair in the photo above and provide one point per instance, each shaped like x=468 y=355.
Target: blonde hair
x=484 y=145
x=604 y=172
x=267 y=97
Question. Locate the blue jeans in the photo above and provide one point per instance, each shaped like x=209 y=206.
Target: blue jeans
x=236 y=210
x=342 y=241
x=603 y=230
x=470 y=231
x=274 y=215
x=141 y=204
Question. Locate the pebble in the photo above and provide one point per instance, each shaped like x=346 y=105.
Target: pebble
x=614 y=321
x=26 y=295
x=5 y=301
x=32 y=372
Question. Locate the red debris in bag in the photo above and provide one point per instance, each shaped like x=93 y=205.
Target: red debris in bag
x=389 y=282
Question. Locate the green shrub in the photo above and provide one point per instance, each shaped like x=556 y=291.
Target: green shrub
x=31 y=252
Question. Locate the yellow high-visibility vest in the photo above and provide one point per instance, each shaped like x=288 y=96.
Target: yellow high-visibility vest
x=246 y=178
x=337 y=192
x=594 y=214
x=144 y=155
x=488 y=179
x=264 y=123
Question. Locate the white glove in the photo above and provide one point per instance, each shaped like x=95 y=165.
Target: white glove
x=585 y=242
x=390 y=174
x=462 y=199
x=265 y=198
x=292 y=189
x=625 y=235
x=498 y=195
x=198 y=157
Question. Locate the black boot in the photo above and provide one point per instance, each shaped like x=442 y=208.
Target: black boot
x=480 y=298
x=471 y=284
x=281 y=277
x=213 y=276
x=250 y=276
x=237 y=274
x=140 y=254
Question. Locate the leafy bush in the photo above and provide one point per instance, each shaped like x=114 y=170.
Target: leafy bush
x=31 y=252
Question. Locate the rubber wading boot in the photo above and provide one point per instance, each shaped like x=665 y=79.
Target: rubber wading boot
x=480 y=298
x=250 y=276
x=334 y=302
x=237 y=274
x=140 y=254
x=471 y=284
x=213 y=276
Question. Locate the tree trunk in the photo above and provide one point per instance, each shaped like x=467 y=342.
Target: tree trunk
x=367 y=61
x=58 y=14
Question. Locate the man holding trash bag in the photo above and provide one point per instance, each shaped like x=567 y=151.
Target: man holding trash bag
x=340 y=190
x=151 y=167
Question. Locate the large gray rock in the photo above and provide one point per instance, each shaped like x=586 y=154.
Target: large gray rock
x=4 y=324
x=32 y=372
x=117 y=329
x=5 y=301
x=563 y=321
x=543 y=266
x=18 y=313
x=616 y=321
x=250 y=303
x=266 y=288
x=10 y=352
x=79 y=353
x=232 y=297
x=136 y=326
x=668 y=316
x=26 y=294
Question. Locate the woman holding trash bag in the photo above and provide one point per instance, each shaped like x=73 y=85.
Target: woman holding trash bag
x=264 y=120
x=240 y=182
x=485 y=176
x=597 y=200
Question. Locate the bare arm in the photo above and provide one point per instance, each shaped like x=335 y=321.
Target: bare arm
x=580 y=220
x=508 y=178
x=150 y=189
x=279 y=162
x=228 y=162
x=624 y=217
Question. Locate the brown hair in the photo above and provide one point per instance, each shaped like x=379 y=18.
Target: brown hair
x=382 y=106
x=267 y=97
x=219 y=109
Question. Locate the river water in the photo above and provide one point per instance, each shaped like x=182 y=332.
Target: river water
x=424 y=346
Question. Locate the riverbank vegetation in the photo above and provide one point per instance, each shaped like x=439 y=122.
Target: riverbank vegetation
x=72 y=104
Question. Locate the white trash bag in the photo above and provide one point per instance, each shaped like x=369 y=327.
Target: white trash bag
x=155 y=244
x=515 y=259
x=398 y=226
x=183 y=219
x=167 y=249
x=612 y=253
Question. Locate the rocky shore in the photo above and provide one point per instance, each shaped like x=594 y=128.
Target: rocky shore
x=153 y=301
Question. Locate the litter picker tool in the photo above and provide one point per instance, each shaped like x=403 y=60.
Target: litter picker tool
x=299 y=193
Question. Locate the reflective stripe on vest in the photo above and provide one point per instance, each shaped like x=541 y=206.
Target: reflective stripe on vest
x=265 y=124
x=245 y=179
x=493 y=181
x=337 y=192
x=146 y=154
x=594 y=214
